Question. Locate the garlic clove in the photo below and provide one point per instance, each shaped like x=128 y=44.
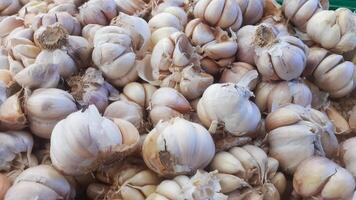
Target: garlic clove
x=340 y=123
x=9 y=24
x=11 y=114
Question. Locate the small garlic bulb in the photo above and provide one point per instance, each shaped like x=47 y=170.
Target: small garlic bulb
x=352 y=119
x=140 y=93
x=252 y=10
x=94 y=141
x=334 y=30
x=235 y=72
x=113 y=55
x=321 y=178
x=222 y=13
x=271 y=95
x=4 y=185
x=227 y=106
x=14 y=143
x=299 y=12
x=9 y=7
x=296 y=133
x=70 y=23
x=239 y=175
x=12 y=116
x=42 y=182
x=279 y=57
x=46 y=107
x=97 y=12
x=178 y=147
x=91 y=88
x=202 y=185
x=133 y=7
x=167 y=103
x=331 y=72
x=347 y=156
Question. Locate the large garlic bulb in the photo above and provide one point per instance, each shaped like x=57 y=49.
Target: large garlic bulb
x=46 y=107
x=97 y=12
x=12 y=116
x=177 y=147
x=113 y=55
x=279 y=57
x=235 y=72
x=296 y=133
x=42 y=182
x=334 y=30
x=331 y=72
x=167 y=103
x=9 y=7
x=248 y=172
x=222 y=13
x=252 y=10
x=299 y=12
x=271 y=95
x=202 y=185
x=70 y=23
x=321 y=178
x=91 y=88
x=227 y=106
x=85 y=140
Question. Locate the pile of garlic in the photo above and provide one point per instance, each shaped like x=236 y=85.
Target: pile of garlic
x=177 y=100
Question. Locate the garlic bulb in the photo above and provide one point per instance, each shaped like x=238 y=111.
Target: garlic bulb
x=252 y=10
x=347 y=155
x=68 y=52
x=113 y=55
x=66 y=6
x=235 y=72
x=128 y=181
x=352 y=119
x=245 y=41
x=31 y=9
x=91 y=88
x=140 y=93
x=134 y=7
x=299 y=12
x=279 y=57
x=46 y=107
x=202 y=185
x=167 y=103
x=70 y=23
x=331 y=72
x=96 y=139
x=11 y=113
x=13 y=144
x=177 y=147
x=9 y=24
x=222 y=13
x=334 y=30
x=296 y=133
x=4 y=185
x=227 y=106
x=321 y=178
x=9 y=7
x=247 y=172
x=271 y=95
x=42 y=182
x=97 y=12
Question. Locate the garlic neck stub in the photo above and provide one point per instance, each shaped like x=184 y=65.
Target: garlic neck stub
x=319 y=177
x=296 y=133
x=245 y=42
x=177 y=147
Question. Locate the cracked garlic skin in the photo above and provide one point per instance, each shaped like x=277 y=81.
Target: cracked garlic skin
x=331 y=72
x=167 y=103
x=334 y=30
x=46 y=107
x=42 y=182
x=178 y=147
x=321 y=178
x=271 y=95
x=97 y=12
x=299 y=12
x=247 y=172
x=85 y=140
x=296 y=133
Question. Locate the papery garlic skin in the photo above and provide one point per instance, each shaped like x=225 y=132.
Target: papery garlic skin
x=9 y=7
x=235 y=72
x=94 y=140
x=4 y=185
x=177 y=147
x=299 y=12
x=12 y=116
x=70 y=23
x=252 y=10
x=167 y=103
x=331 y=72
x=319 y=177
x=271 y=95
x=334 y=30
x=52 y=185
x=296 y=133
x=341 y=125
x=97 y=12
x=46 y=107
x=222 y=13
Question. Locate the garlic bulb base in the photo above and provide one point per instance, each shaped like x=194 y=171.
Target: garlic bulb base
x=51 y=37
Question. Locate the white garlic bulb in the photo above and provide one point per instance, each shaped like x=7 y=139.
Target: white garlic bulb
x=252 y=10
x=245 y=41
x=177 y=147
x=94 y=141
x=31 y=9
x=46 y=107
x=70 y=23
x=235 y=72
x=97 y=12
